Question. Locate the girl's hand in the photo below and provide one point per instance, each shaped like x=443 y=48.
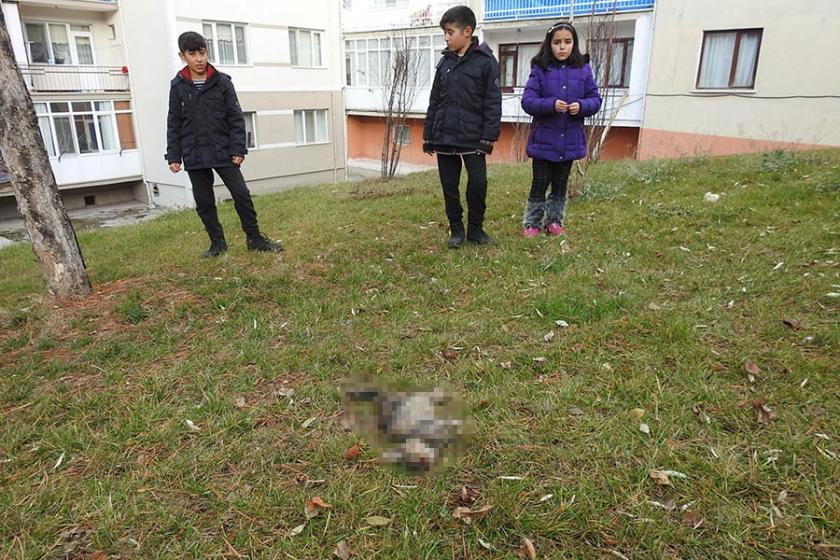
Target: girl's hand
x=237 y=160
x=560 y=106
x=574 y=108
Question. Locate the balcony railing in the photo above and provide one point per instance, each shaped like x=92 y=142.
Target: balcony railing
x=82 y=79
x=498 y=10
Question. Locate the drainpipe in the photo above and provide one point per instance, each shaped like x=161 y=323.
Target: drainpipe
x=649 y=74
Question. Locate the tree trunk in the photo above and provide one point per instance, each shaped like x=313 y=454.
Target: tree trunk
x=33 y=183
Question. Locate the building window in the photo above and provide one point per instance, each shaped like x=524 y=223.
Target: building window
x=368 y=60
x=402 y=134
x=515 y=64
x=311 y=126
x=729 y=59
x=615 y=55
x=305 y=47
x=226 y=43
x=250 y=130
x=59 y=43
x=85 y=127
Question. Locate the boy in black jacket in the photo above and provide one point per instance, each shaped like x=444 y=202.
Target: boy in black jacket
x=463 y=121
x=206 y=130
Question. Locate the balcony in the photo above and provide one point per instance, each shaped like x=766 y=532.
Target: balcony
x=54 y=78
x=500 y=10
x=83 y=5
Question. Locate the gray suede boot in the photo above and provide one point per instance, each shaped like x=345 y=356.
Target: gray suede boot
x=534 y=213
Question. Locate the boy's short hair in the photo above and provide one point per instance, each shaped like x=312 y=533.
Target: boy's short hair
x=460 y=16
x=191 y=41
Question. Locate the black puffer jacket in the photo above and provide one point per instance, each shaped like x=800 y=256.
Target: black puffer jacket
x=204 y=128
x=465 y=105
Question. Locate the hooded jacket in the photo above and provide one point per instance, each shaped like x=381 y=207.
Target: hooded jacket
x=559 y=136
x=465 y=105
x=204 y=128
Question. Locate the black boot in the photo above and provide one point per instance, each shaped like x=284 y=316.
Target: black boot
x=479 y=237
x=218 y=245
x=456 y=236
x=261 y=243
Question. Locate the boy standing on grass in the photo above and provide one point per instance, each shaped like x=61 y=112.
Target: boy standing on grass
x=206 y=130
x=463 y=121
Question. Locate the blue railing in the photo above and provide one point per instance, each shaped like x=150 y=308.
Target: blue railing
x=495 y=10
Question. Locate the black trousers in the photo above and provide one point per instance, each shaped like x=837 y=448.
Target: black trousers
x=205 y=200
x=449 y=168
x=545 y=172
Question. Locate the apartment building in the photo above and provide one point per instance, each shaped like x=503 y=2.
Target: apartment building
x=734 y=77
x=514 y=30
x=72 y=56
x=285 y=62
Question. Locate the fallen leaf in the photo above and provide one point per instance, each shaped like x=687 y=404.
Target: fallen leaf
x=606 y=366
x=644 y=428
x=751 y=368
x=485 y=544
x=297 y=530
x=309 y=422
x=765 y=413
x=378 y=521
x=191 y=425
x=283 y=392
x=711 y=197
x=546 y=497
x=637 y=413
x=449 y=355
x=352 y=452
x=549 y=336
x=239 y=402
x=660 y=477
x=562 y=324
x=527 y=550
x=511 y=478
x=540 y=359
x=782 y=497
x=507 y=365
x=99 y=555
x=692 y=519
x=792 y=323
x=314 y=506
x=466 y=514
x=342 y=550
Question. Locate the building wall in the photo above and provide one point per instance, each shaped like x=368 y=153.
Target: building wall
x=794 y=64
x=267 y=85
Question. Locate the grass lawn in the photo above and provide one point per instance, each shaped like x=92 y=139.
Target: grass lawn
x=667 y=297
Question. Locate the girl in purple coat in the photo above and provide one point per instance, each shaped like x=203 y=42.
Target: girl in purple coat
x=560 y=93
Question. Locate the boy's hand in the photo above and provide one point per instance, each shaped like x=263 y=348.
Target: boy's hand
x=429 y=148
x=237 y=160
x=574 y=108
x=175 y=167
x=485 y=147
x=560 y=106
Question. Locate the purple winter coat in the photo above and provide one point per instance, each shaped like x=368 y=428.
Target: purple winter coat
x=559 y=136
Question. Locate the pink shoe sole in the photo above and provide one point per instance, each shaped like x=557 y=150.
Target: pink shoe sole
x=531 y=232
x=555 y=230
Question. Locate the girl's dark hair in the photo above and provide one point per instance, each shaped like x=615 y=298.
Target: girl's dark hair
x=544 y=57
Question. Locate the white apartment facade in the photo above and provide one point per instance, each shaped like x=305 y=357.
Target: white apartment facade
x=99 y=74
x=285 y=62
x=71 y=54
x=514 y=30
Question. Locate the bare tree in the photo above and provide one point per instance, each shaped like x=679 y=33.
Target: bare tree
x=399 y=81
x=601 y=45
x=53 y=238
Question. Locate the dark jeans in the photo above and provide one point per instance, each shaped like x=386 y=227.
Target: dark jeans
x=205 y=200
x=449 y=168
x=545 y=172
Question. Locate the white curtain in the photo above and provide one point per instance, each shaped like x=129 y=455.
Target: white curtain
x=523 y=69
x=718 y=49
x=747 y=58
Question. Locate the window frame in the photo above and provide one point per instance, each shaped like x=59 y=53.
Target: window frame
x=402 y=135
x=295 y=32
x=352 y=52
x=383 y=4
x=71 y=113
x=733 y=64
x=71 y=39
x=213 y=53
x=252 y=117
x=625 y=43
x=314 y=112
x=512 y=50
